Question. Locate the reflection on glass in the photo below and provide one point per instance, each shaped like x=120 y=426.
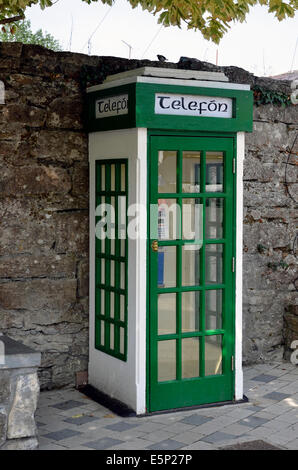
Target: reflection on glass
x=192 y=219
x=214 y=265
x=190 y=265
x=214 y=218
x=214 y=172
x=213 y=309
x=166 y=360
x=190 y=311
x=167 y=172
x=166 y=314
x=168 y=219
x=166 y=276
x=213 y=355
x=191 y=172
x=190 y=358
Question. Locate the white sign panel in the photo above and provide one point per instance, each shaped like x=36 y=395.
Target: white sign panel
x=193 y=105
x=111 y=106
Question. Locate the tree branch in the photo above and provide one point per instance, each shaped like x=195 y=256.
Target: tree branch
x=13 y=19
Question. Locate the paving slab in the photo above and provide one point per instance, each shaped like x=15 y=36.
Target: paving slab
x=67 y=420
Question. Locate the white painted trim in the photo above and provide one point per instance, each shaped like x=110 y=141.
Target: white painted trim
x=125 y=381
x=239 y=263
x=168 y=81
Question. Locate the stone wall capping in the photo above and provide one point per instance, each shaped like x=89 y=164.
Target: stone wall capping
x=17 y=355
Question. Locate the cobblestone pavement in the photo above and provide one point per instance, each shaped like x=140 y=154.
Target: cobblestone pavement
x=68 y=420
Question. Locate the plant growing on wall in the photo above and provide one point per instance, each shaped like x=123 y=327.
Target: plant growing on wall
x=24 y=34
x=212 y=18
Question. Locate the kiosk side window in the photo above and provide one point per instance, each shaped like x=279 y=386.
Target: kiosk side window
x=111 y=257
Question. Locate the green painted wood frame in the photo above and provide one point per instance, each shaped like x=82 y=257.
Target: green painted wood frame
x=141 y=113
x=205 y=389
x=111 y=323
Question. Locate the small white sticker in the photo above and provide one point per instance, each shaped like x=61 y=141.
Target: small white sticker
x=111 y=106
x=193 y=105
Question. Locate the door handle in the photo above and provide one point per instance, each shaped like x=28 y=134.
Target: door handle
x=154 y=246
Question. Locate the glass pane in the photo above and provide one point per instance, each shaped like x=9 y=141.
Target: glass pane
x=190 y=265
x=213 y=355
x=166 y=266
x=121 y=217
x=102 y=302
x=122 y=308
x=122 y=275
x=213 y=309
x=102 y=333
x=191 y=172
x=122 y=337
x=214 y=218
x=103 y=177
x=166 y=314
x=190 y=311
x=112 y=341
x=112 y=305
x=112 y=272
x=190 y=358
x=112 y=230
x=103 y=264
x=214 y=172
x=113 y=176
x=214 y=258
x=167 y=172
x=168 y=219
x=122 y=248
x=166 y=360
x=123 y=176
x=192 y=219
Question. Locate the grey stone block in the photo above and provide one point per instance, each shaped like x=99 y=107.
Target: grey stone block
x=17 y=355
x=3 y=425
x=63 y=434
x=120 y=427
x=217 y=437
x=277 y=396
x=168 y=444
x=21 y=422
x=102 y=444
x=264 y=378
x=196 y=420
x=21 y=444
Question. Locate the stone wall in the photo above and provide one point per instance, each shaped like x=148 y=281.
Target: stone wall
x=44 y=207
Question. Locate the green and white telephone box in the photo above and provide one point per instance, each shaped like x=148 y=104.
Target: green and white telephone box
x=166 y=151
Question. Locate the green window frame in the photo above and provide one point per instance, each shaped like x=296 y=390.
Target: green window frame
x=111 y=258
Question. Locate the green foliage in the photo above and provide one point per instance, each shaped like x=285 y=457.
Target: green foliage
x=277 y=264
x=24 y=34
x=212 y=18
x=264 y=96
